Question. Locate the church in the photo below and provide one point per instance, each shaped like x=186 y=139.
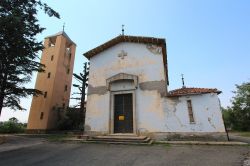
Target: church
x=128 y=94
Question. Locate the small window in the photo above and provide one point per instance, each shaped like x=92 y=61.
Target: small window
x=51 y=44
x=49 y=75
x=190 y=111
x=68 y=49
x=65 y=88
x=63 y=105
x=68 y=70
x=41 y=115
x=45 y=94
x=52 y=57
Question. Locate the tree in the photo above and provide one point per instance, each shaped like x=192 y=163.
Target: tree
x=238 y=115
x=12 y=126
x=19 y=49
x=82 y=78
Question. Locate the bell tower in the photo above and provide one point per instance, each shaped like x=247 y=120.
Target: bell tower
x=58 y=56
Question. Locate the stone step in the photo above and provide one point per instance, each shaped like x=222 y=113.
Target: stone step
x=120 y=139
x=147 y=139
x=121 y=143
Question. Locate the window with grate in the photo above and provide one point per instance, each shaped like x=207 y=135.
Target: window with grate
x=190 y=111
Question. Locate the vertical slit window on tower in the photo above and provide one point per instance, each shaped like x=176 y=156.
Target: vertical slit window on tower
x=63 y=105
x=52 y=57
x=190 y=111
x=68 y=71
x=45 y=94
x=69 y=56
x=65 y=88
x=49 y=75
x=41 y=115
x=68 y=52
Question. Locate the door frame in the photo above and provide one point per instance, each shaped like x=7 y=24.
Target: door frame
x=112 y=95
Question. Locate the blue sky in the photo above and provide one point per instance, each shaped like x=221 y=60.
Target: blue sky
x=208 y=41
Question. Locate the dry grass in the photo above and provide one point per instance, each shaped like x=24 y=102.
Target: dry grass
x=2 y=139
x=244 y=134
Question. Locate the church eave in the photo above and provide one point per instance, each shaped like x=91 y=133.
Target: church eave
x=191 y=91
x=63 y=34
x=123 y=38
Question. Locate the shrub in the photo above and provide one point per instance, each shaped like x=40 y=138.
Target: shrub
x=11 y=126
x=71 y=120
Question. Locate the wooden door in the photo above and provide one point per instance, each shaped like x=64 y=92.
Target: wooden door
x=123 y=113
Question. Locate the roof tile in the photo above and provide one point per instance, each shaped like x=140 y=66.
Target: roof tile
x=191 y=91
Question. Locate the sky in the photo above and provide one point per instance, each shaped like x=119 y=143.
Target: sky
x=208 y=41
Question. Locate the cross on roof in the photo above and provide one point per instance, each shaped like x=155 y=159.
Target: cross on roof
x=122 y=29
x=63 y=26
x=183 y=83
x=122 y=54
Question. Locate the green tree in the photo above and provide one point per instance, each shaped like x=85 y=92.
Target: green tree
x=239 y=113
x=226 y=113
x=19 y=49
x=14 y=120
x=12 y=126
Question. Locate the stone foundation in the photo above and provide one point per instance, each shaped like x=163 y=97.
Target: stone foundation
x=95 y=133
x=43 y=131
x=36 y=131
x=175 y=136
x=187 y=136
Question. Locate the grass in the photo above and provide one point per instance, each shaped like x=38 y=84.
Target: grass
x=244 y=134
x=161 y=143
x=2 y=139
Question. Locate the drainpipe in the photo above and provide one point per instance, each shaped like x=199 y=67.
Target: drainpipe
x=224 y=121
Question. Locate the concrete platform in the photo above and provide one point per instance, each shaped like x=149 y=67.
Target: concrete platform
x=203 y=143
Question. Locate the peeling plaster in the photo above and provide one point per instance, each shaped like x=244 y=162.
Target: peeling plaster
x=159 y=86
x=210 y=121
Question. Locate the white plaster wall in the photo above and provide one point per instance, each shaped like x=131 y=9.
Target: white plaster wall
x=150 y=114
x=206 y=110
x=97 y=114
x=139 y=61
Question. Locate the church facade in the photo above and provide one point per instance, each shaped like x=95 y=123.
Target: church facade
x=128 y=94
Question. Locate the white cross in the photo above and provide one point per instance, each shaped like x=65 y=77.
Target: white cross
x=122 y=54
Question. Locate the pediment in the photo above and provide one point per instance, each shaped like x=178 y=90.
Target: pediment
x=121 y=77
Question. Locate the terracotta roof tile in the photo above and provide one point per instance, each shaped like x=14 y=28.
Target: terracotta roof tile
x=191 y=91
